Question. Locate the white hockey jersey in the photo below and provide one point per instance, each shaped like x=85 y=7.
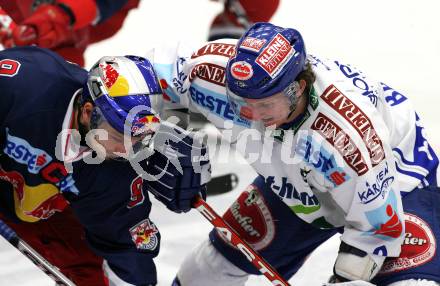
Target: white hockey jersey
x=346 y=162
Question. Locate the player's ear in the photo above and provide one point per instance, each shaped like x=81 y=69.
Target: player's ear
x=302 y=87
x=86 y=113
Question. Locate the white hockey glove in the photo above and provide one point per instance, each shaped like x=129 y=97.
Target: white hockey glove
x=353 y=264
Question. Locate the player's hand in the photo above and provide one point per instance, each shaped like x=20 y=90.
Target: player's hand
x=47 y=27
x=181 y=167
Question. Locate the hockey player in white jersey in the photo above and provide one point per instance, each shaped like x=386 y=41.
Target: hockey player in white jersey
x=334 y=151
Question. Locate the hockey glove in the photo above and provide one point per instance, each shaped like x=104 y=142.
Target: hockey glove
x=179 y=168
x=47 y=27
x=52 y=24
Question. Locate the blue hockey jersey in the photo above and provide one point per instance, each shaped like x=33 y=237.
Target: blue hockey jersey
x=109 y=199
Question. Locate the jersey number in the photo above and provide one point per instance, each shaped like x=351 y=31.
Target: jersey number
x=9 y=67
x=137 y=196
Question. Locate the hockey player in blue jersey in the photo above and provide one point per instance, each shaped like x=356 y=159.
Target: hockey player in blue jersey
x=60 y=195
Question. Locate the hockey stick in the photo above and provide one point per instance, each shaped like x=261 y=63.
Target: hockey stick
x=228 y=233
x=53 y=272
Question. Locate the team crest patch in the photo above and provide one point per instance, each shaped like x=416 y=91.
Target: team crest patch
x=418 y=247
x=144 y=235
x=250 y=217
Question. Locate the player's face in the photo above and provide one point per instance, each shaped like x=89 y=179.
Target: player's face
x=273 y=110
x=114 y=143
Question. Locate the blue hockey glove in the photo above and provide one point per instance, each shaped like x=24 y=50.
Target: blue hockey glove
x=179 y=168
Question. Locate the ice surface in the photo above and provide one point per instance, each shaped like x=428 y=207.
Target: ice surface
x=394 y=41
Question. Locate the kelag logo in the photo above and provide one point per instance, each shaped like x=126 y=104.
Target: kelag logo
x=321 y=160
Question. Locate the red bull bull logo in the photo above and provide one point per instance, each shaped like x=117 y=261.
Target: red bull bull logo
x=110 y=75
x=116 y=84
x=37 y=202
x=16 y=180
x=144 y=235
x=146 y=124
x=47 y=208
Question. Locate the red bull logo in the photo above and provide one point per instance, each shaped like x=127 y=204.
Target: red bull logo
x=116 y=84
x=16 y=180
x=146 y=124
x=144 y=235
x=47 y=208
x=110 y=75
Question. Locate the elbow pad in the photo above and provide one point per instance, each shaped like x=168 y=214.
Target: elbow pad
x=355 y=264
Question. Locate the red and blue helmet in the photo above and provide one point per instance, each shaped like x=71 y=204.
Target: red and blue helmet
x=123 y=84
x=268 y=58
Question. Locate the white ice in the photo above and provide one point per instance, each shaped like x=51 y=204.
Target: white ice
x=396 y=41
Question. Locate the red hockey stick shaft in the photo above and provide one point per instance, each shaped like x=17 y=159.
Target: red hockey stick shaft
x=227 y=232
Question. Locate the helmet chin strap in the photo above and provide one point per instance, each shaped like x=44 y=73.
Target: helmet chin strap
x=293 y=105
